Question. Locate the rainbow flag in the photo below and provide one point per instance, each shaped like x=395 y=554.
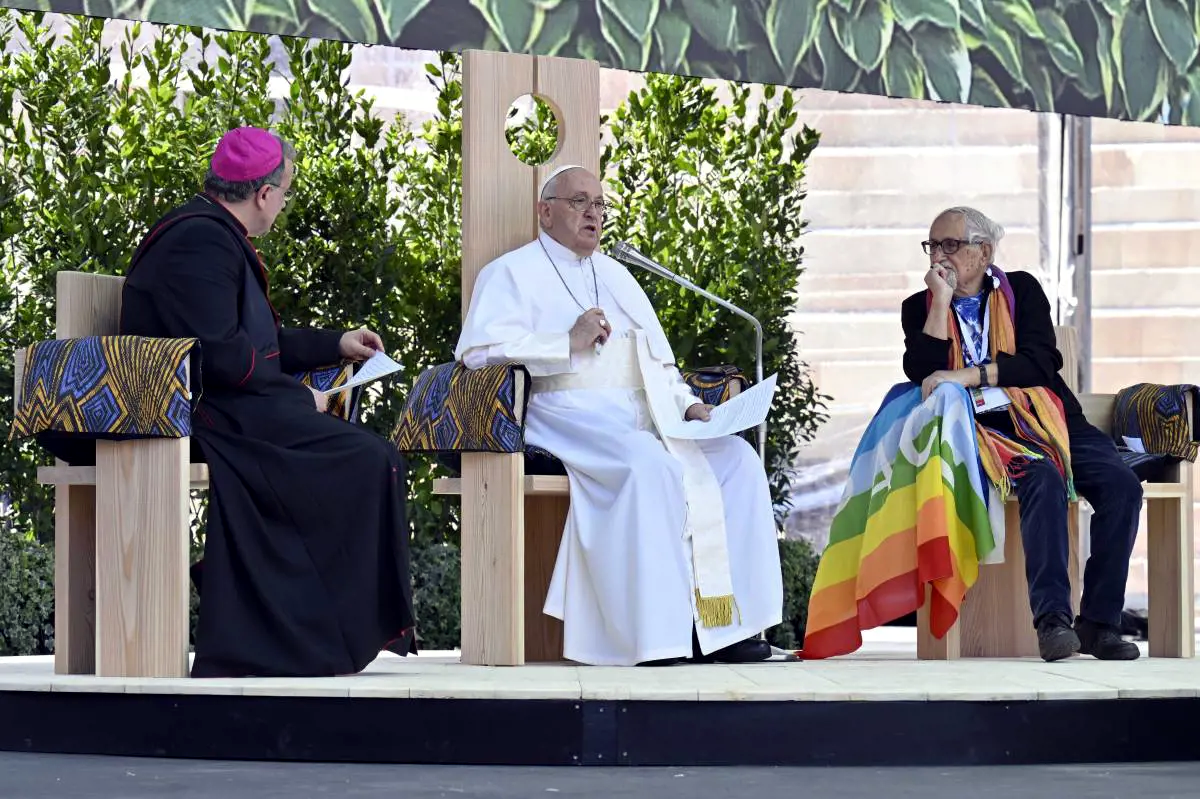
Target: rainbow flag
x=917 y=509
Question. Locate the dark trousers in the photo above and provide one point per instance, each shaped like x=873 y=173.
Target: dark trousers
x=1115 y=494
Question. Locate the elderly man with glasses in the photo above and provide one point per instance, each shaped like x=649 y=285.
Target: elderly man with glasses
x=670 y=550
x=986 y=415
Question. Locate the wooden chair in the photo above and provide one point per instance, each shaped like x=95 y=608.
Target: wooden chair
x=995 y=619
x=120 y=529
x=122 y=535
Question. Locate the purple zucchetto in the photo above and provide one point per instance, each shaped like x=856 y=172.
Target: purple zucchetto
x=246 y=154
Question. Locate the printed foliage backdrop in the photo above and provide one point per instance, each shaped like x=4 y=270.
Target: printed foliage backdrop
x=1127 y=59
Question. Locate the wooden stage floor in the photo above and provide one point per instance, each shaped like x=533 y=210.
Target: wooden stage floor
x=884 y=670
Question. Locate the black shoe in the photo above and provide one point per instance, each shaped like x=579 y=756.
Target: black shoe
x=1103 y=642
x=663 y=662
x=1056 y=639
x=752 y=650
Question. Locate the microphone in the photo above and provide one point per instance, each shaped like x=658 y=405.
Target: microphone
x=628 y=254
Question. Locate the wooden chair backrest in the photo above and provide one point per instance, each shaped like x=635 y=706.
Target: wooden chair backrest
x=85 y=305
x=500 y=191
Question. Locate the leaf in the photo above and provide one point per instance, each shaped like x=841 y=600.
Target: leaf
x=557 y=29
x=792 y=27
x=1174 y=29
x=1191 y=111
x=672 y=34
x=628 y=52
x=1007 y=49
x=1115 y=7
x=973 y=14
x=839 y=73
x=1061 y=44
x=903 y=75
x=351 y=17
x=1104 y=53
x=942 y=13
x=865 y=36
x=716 y=20
x=946 y=61
x=1037 y=77
x=514 y=22
x=1017 y=16
x=637 y=18
x=984 y=91
x=1141 y=67
x=396 y=14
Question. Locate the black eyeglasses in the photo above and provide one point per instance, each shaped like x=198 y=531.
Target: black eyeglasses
x=580 y=204
x=947 y=246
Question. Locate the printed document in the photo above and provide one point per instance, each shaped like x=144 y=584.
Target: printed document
x=746 y=410
x=377 y=366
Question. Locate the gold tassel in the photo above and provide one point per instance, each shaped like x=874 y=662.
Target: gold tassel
x=716 y=611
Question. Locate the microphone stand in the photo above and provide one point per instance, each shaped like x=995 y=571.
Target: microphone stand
x=628 y=254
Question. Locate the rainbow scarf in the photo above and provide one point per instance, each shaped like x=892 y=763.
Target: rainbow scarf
x=923 y=502
x=1037 y=413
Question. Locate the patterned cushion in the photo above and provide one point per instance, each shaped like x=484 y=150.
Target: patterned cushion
x=1157 y=416
x=714 y=384
x=112 y=387
x=344 y=403
x=455 y=409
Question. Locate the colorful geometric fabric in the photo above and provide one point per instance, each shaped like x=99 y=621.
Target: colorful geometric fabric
x=455 y=409
x=343 y=404
x=714 y=385
x=107 y=386
x=1156 y=416
x=914 y=512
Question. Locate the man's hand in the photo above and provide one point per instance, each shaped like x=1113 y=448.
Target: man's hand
x=358 y=345
x=589 y=327
x=941 y=280
x=698 y=411
x=322 y=401
x=937 y=378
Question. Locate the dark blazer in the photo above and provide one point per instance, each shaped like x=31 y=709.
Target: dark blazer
x=1035 y=363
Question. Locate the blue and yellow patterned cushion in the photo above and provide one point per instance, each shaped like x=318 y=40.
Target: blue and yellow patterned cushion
x=343 y=404
x=715 y=384
x=1155 y=416
x=455 y=409
x=112 y=387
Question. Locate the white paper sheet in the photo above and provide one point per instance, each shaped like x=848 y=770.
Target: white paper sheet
x=746 y=410
x=377 y=366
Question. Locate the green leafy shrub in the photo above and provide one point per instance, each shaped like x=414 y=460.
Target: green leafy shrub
x=799 y=563
x=26 y=595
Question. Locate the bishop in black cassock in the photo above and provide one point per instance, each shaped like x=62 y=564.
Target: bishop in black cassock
x=306 y=565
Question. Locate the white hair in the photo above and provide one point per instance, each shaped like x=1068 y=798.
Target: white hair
x=977 y=227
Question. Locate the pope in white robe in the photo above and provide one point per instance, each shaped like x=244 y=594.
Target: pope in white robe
x=670 y=548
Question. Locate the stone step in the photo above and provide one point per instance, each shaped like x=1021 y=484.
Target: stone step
x=913 y=208
x=837 y=250
x=992 y=169
x=1151 y=245
x=1111 y=374
x=900 y=127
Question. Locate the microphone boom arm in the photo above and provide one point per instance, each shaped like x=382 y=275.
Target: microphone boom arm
x=628 y=254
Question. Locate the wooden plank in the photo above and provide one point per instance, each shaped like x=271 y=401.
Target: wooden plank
x=493 y=560
x=86 y=475
x=1170 y=549
x=1098 y=408
x=87 y=304
x=948 y=647
x=1066 y=338
x=18 y=377
x=535 y=485
x=544 y=520
x=75 y=579
x=142 y=558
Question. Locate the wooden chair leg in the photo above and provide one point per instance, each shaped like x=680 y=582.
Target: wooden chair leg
x=74 y=579
x=544 y=520
x=142 y=558
x=1172 y=612
x=493 y=559
x=930 y=648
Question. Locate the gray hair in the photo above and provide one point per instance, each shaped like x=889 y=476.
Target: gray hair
x=236 y=191
x=977 y=227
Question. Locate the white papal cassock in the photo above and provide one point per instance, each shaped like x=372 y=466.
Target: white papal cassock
x=653 y=524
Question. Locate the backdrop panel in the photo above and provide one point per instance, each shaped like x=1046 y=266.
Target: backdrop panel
x=1125 y=59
